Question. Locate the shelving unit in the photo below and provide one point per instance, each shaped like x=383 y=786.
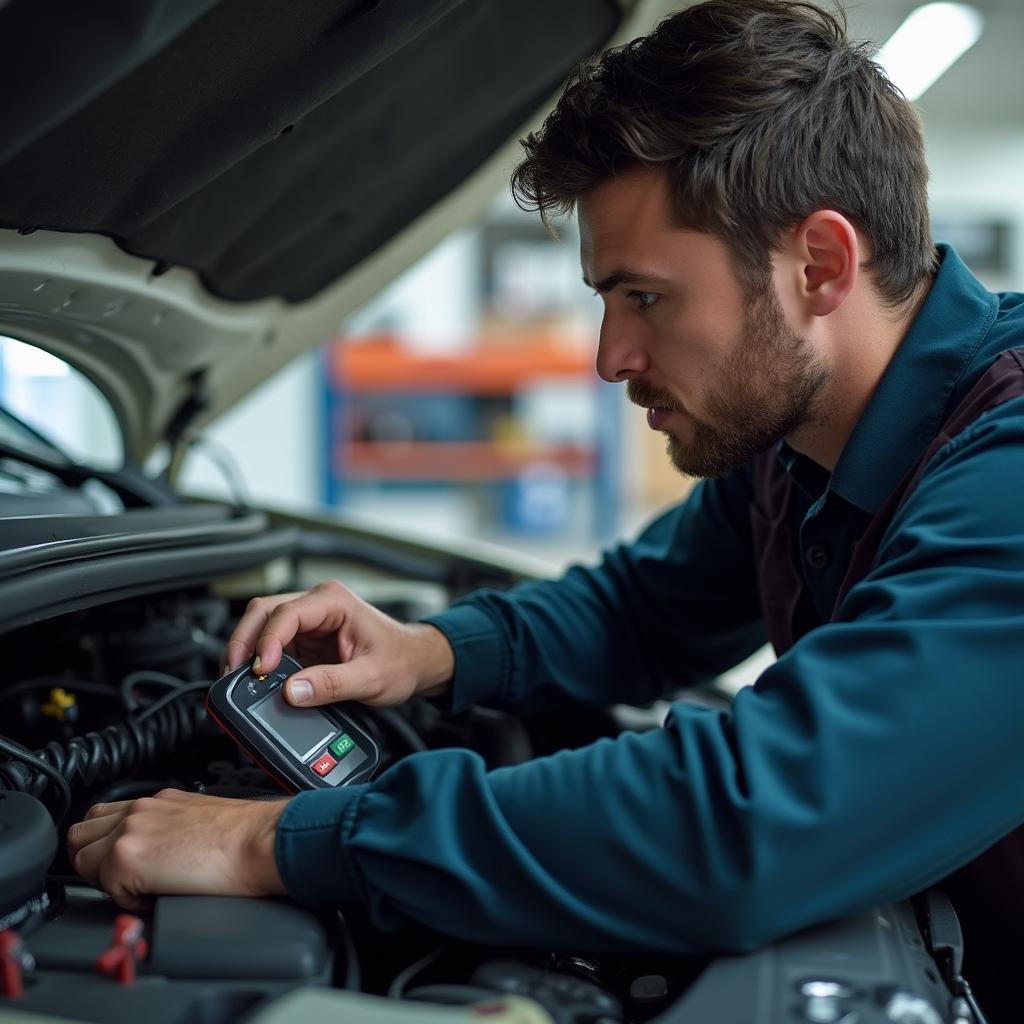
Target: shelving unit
x=500 y=368
x=397 y=418
x=459 y=461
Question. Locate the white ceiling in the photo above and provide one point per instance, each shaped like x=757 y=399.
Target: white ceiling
x=986 y=85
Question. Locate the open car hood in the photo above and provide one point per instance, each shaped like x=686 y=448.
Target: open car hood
x=193 y=193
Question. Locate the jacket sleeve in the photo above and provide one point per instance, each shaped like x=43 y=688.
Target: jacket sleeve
x=678 y=605
x=878 y=755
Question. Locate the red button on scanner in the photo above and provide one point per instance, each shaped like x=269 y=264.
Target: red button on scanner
x=323 y=764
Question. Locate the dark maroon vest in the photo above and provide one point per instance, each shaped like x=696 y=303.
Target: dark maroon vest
x=988 y=893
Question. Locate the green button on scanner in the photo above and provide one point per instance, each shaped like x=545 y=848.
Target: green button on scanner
x=341 y=745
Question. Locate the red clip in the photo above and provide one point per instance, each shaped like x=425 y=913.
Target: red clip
x=14 y=959
x=129 y=947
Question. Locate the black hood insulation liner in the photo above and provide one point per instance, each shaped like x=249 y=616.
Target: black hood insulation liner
x=269 y=145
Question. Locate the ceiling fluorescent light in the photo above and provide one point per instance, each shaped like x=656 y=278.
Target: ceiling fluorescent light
x=930 y=41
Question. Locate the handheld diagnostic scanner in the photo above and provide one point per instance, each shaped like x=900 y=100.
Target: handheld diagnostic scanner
x=303 y=748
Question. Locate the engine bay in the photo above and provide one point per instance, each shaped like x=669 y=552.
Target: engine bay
x=106 y=703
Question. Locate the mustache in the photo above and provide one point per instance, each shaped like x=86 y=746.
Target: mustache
x=649 y=397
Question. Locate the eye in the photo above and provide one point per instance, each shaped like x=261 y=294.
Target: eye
x=645 y=299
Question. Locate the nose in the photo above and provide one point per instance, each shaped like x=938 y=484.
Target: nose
x=619 y=354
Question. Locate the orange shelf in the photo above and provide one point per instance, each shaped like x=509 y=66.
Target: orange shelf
x=385 y=365
x=463 y=461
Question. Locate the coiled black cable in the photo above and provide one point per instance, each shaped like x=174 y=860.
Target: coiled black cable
x=95 y=758
x=30 y=773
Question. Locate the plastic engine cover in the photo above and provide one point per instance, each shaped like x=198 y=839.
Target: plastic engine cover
x=28 y=842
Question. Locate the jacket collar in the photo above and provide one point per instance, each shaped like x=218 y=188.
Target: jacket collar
x=913 y=397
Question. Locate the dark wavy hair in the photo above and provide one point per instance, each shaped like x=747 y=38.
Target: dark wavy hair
x=761 y=112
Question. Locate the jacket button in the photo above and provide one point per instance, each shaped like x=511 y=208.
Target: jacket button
x=818 y=556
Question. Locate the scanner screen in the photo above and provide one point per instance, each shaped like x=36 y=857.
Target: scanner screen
x=300 y=730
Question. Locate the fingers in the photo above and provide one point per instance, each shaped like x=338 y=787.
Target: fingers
x=241 y=645
x=327 y=620
x=320 y=611
x=270 y=624
x=359 y=680
x=103 y=810
x=99 y=821
x=89 y=830
x=89 y=841
x=88 y=859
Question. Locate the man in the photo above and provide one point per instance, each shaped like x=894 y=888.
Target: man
x=751 y=194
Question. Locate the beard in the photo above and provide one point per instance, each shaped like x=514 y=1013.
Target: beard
x=770 y=388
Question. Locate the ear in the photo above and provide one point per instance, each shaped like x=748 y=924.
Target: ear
x=826 y=253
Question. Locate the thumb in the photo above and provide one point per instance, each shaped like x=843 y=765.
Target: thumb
x=326 y=684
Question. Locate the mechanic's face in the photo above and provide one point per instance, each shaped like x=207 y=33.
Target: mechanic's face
x=721 y=372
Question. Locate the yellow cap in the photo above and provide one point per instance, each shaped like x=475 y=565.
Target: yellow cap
x=59 y=704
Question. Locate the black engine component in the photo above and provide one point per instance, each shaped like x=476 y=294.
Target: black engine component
x=28 y=842
x=211 y=960
x=216 y=937
x=231 y=937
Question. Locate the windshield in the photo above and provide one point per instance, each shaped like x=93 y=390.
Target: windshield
x=15 y=434
x=48 y=407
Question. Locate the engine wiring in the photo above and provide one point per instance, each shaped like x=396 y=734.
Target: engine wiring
x=353 y=969
x=149 y=730
x=106 y=756
x=30 y=773
x=134 y=680
x=400 y=982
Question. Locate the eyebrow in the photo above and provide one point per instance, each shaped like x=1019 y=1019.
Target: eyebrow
x=618 y=277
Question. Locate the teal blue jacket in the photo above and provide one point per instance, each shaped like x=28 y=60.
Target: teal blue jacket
x=878 y=754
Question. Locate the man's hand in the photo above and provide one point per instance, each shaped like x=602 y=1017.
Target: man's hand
x=352 y=650
x=178 y=843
